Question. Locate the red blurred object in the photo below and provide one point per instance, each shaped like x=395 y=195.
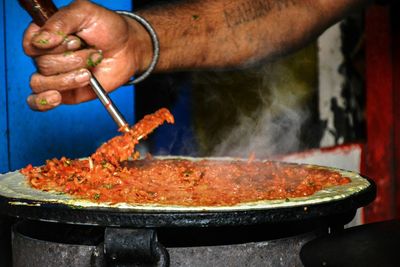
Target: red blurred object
x=382 y=152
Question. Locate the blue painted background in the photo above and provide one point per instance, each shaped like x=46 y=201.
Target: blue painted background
x=27 y=136
x=3 y=99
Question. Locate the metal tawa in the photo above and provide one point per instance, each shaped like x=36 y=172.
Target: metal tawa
x=18 y=199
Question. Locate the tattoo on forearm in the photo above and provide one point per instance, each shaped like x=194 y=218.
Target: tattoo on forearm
x=253 y=9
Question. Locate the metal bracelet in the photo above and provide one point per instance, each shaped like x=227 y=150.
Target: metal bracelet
x=154 y=39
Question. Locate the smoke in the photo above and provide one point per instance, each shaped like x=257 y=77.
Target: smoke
x=268 y=118
x=271 y=130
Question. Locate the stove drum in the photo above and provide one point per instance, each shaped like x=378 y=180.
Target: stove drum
x=38 y=244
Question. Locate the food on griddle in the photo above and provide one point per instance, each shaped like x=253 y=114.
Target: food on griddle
x=120 y=148
x=181 y=182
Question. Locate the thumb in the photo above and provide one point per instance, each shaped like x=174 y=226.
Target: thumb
x=68 y=20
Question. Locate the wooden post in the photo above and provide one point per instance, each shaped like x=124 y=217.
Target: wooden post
x=382 y=112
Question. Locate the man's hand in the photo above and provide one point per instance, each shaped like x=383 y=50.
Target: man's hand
x=78 y=38
x=192 y=34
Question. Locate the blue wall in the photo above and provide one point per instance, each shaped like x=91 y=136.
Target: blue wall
x=27 y=136
x=3 y=100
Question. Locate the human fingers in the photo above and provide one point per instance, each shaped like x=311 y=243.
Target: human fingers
x=44 y=101
x=68 y=61
x=78 y=95
x=69 y=43
x=72 y=19
x=51 y=99
x=60 y=82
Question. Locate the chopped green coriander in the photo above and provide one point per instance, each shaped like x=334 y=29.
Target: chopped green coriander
x=43 y=41
x=43 y=101
x=61 y=33
x=104 y=164
x=96 y=196
x=90 y=62
x=108 y=186
x=195 y=17
x=93 y=63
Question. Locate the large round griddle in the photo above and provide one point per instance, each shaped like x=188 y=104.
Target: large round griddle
x=17 y=199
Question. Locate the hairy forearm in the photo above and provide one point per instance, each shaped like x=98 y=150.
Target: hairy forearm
x=223 y=33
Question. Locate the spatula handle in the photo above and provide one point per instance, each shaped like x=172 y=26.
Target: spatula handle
x=40 y=10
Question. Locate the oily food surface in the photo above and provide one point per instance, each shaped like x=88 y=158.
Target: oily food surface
x=107 y=176
x=183 y=182
x=120 y=148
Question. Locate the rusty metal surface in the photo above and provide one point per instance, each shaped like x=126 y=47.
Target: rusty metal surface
x=274 y=253
x=44 y=254
x=32 y=252
x=35 y=244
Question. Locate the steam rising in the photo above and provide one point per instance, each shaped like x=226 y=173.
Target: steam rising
x=259 y=111
x=272 y=129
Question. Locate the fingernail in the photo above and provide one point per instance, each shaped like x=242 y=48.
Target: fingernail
x=42 y=38
x=73 y=44
x=43 y=102
x=30 y=100
x=82 y=76
x=94 y=59
x=53 y=99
